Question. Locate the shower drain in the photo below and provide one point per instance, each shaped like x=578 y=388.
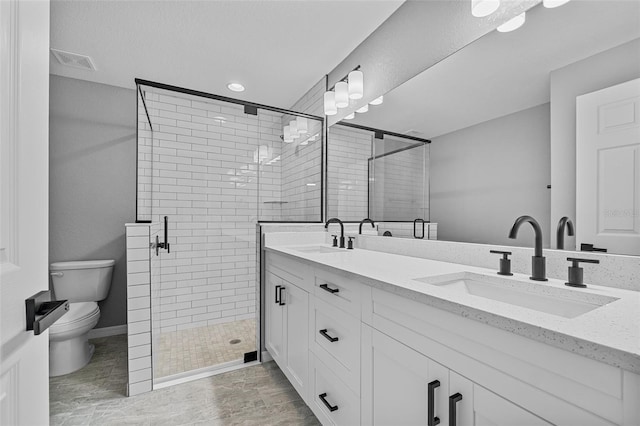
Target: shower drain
x=234 y=341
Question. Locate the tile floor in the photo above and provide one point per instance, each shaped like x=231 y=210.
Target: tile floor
x=200 y=347
x=95 y=395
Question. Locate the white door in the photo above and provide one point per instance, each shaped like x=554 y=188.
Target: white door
x=608 y=168
x=24 y=242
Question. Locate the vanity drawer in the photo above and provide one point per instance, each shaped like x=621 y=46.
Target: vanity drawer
x=338 y=291
x=290 y=270
x=329 y=393
x=336 y=341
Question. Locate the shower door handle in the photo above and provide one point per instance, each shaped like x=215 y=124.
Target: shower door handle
x=165 y=244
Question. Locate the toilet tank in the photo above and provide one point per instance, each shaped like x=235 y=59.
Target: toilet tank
x=82 y=281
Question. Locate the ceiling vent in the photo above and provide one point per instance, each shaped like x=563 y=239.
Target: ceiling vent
x=74 y=60
x=414 y=133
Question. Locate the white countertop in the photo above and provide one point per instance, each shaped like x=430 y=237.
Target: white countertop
x=610 y=333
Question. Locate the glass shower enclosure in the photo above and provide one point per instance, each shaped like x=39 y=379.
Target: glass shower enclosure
x=214 y=167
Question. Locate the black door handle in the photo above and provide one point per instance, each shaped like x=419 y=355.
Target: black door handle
x=331 y=408
x=329 y=338
x=325 y=287
x=432 y=420
x=453 y=399
x=280 y=302
x=277 y=288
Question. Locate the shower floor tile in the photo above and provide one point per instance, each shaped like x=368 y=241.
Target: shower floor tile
x=194 y=348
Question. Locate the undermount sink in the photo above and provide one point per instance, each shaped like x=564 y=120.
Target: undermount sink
x=317 y=249
x=566 y=303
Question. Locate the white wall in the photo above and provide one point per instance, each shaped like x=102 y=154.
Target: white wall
x=597 y=72
x=485 y=176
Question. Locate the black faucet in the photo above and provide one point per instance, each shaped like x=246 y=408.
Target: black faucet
x=538 y=268
x=363 y=221
x=336 y=220
x=565 y=221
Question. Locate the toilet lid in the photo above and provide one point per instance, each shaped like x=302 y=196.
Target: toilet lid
x=78 y=311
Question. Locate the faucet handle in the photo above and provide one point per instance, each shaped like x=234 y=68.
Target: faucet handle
x=576 y=272
x=505 y=262
x=335 y=240
x=350 y=244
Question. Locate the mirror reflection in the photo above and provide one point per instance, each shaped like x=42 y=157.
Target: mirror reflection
x=501 y=115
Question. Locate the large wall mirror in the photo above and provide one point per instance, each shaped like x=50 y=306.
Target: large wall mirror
x=501 y=116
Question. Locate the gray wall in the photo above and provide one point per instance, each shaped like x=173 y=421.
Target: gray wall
x=485 y=176
x=92 y=154
x=605 y=69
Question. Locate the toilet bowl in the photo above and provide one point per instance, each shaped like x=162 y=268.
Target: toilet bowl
x=69 y=348
x=83 y=284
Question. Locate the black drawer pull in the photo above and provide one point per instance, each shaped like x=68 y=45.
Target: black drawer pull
x=331 y=408
x=325 y=287
x=329 y=338
x=280 y=301
x=432 y=420
x=452 y=407
x=277 y=288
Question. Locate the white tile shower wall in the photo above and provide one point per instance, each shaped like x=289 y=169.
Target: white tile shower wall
x=205 y=178
x=144 y=163
x=400 y=187
x=348 y=153
x=139 y=276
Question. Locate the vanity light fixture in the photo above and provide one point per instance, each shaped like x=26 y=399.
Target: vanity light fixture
x=364 y=109
x=377 y=101
x=550 y=4
x=350 y=116
x=287 y=134
x=512 y=24
x=356 y=84
x=342 y=94
x=482 y=8
x=235 y=87
x=303 y=125
x=293 y=125
x=330 y=107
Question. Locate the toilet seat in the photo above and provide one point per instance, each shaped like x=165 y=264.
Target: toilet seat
x=79 y=314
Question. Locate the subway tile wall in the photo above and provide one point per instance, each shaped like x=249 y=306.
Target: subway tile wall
x=400 y=185
x=139 y=275
x=205 y=176
x=348 y=152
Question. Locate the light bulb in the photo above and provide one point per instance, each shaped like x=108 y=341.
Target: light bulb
x=303 y=125
x=512 y=24
x=350 y=116
x=330 y=107
x=550 y=4
x=235 y=87
x=365 y=108
x=342 y=94
x=356 y=84
x=482 y=8
x=293 y=125
x=377 y=101
x=287 y=134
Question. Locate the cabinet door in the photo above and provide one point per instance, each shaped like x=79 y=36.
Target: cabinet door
x=398 y=394
x=274 y=317
x=492 y=410
x=296 y=335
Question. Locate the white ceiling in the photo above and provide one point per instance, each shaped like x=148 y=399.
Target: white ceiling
x=502 y=73
x=277 y=49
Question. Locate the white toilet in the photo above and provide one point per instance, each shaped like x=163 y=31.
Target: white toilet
x=83 y=284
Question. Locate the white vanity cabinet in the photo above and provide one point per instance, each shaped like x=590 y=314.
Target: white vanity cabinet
x=359 y=354
x=286 y=314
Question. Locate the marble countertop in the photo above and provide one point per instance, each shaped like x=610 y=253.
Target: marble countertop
x=610 y=333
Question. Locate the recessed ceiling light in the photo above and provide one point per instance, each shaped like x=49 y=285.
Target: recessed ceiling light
x=553 y=3
x=377 y=101
x=235 y=87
